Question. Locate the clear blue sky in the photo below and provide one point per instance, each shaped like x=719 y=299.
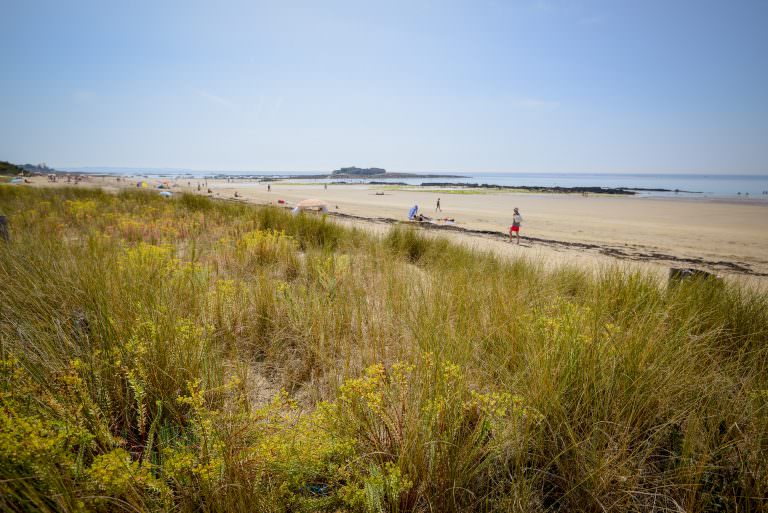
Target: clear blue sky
x=539 y=85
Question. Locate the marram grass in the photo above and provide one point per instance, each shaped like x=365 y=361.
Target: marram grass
x=189 y=355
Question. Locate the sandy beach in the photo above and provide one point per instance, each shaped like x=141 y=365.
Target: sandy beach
x=728 y=237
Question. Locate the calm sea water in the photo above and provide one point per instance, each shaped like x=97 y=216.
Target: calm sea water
x=708 y=186
x=696 y=185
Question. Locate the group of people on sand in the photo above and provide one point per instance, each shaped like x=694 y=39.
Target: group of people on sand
x=514 y=230
x=422 y=218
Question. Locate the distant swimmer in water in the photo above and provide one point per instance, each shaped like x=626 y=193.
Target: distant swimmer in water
x=517 y=220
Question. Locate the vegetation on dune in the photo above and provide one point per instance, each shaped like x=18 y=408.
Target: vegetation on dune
x=8 y=169
x=190 y=355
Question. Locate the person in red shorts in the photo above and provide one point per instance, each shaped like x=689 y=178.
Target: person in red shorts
x=517 y=220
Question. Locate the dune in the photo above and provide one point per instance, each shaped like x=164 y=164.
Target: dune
x=728 y=237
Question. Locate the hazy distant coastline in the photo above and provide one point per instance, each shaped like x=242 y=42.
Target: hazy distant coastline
x=348 y=172
x=647 y=184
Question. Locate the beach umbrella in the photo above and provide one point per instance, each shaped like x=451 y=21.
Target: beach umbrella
x=412 y=211
x=312 y=204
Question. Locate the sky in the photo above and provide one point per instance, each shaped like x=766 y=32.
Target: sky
x=618 y=86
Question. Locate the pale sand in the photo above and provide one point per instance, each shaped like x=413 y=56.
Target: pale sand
x=654 y=232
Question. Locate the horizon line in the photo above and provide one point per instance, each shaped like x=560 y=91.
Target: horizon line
x=145 y=169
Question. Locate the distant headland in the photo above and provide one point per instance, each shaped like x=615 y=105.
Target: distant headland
x=372 y=173
x=9 y=169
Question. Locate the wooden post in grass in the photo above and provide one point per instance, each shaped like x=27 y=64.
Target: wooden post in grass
x=4 y=235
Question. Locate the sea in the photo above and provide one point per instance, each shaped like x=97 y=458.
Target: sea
x=686 y=185
x=681 y=185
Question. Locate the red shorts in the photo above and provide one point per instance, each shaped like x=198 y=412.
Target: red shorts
x=514 y=229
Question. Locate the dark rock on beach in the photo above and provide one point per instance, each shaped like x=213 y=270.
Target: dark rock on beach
x=564 y=190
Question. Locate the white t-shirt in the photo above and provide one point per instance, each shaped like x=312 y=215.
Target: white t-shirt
x=517 y=219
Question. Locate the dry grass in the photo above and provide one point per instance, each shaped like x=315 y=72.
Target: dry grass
x=416 y=375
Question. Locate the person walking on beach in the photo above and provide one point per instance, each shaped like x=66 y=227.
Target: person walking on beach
x=269 y=188
x=438 y=209
x=517 y=220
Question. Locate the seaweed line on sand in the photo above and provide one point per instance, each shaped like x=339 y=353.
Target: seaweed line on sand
x=652 y=256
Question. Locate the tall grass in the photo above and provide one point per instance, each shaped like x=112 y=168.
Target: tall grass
x=192 y=355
